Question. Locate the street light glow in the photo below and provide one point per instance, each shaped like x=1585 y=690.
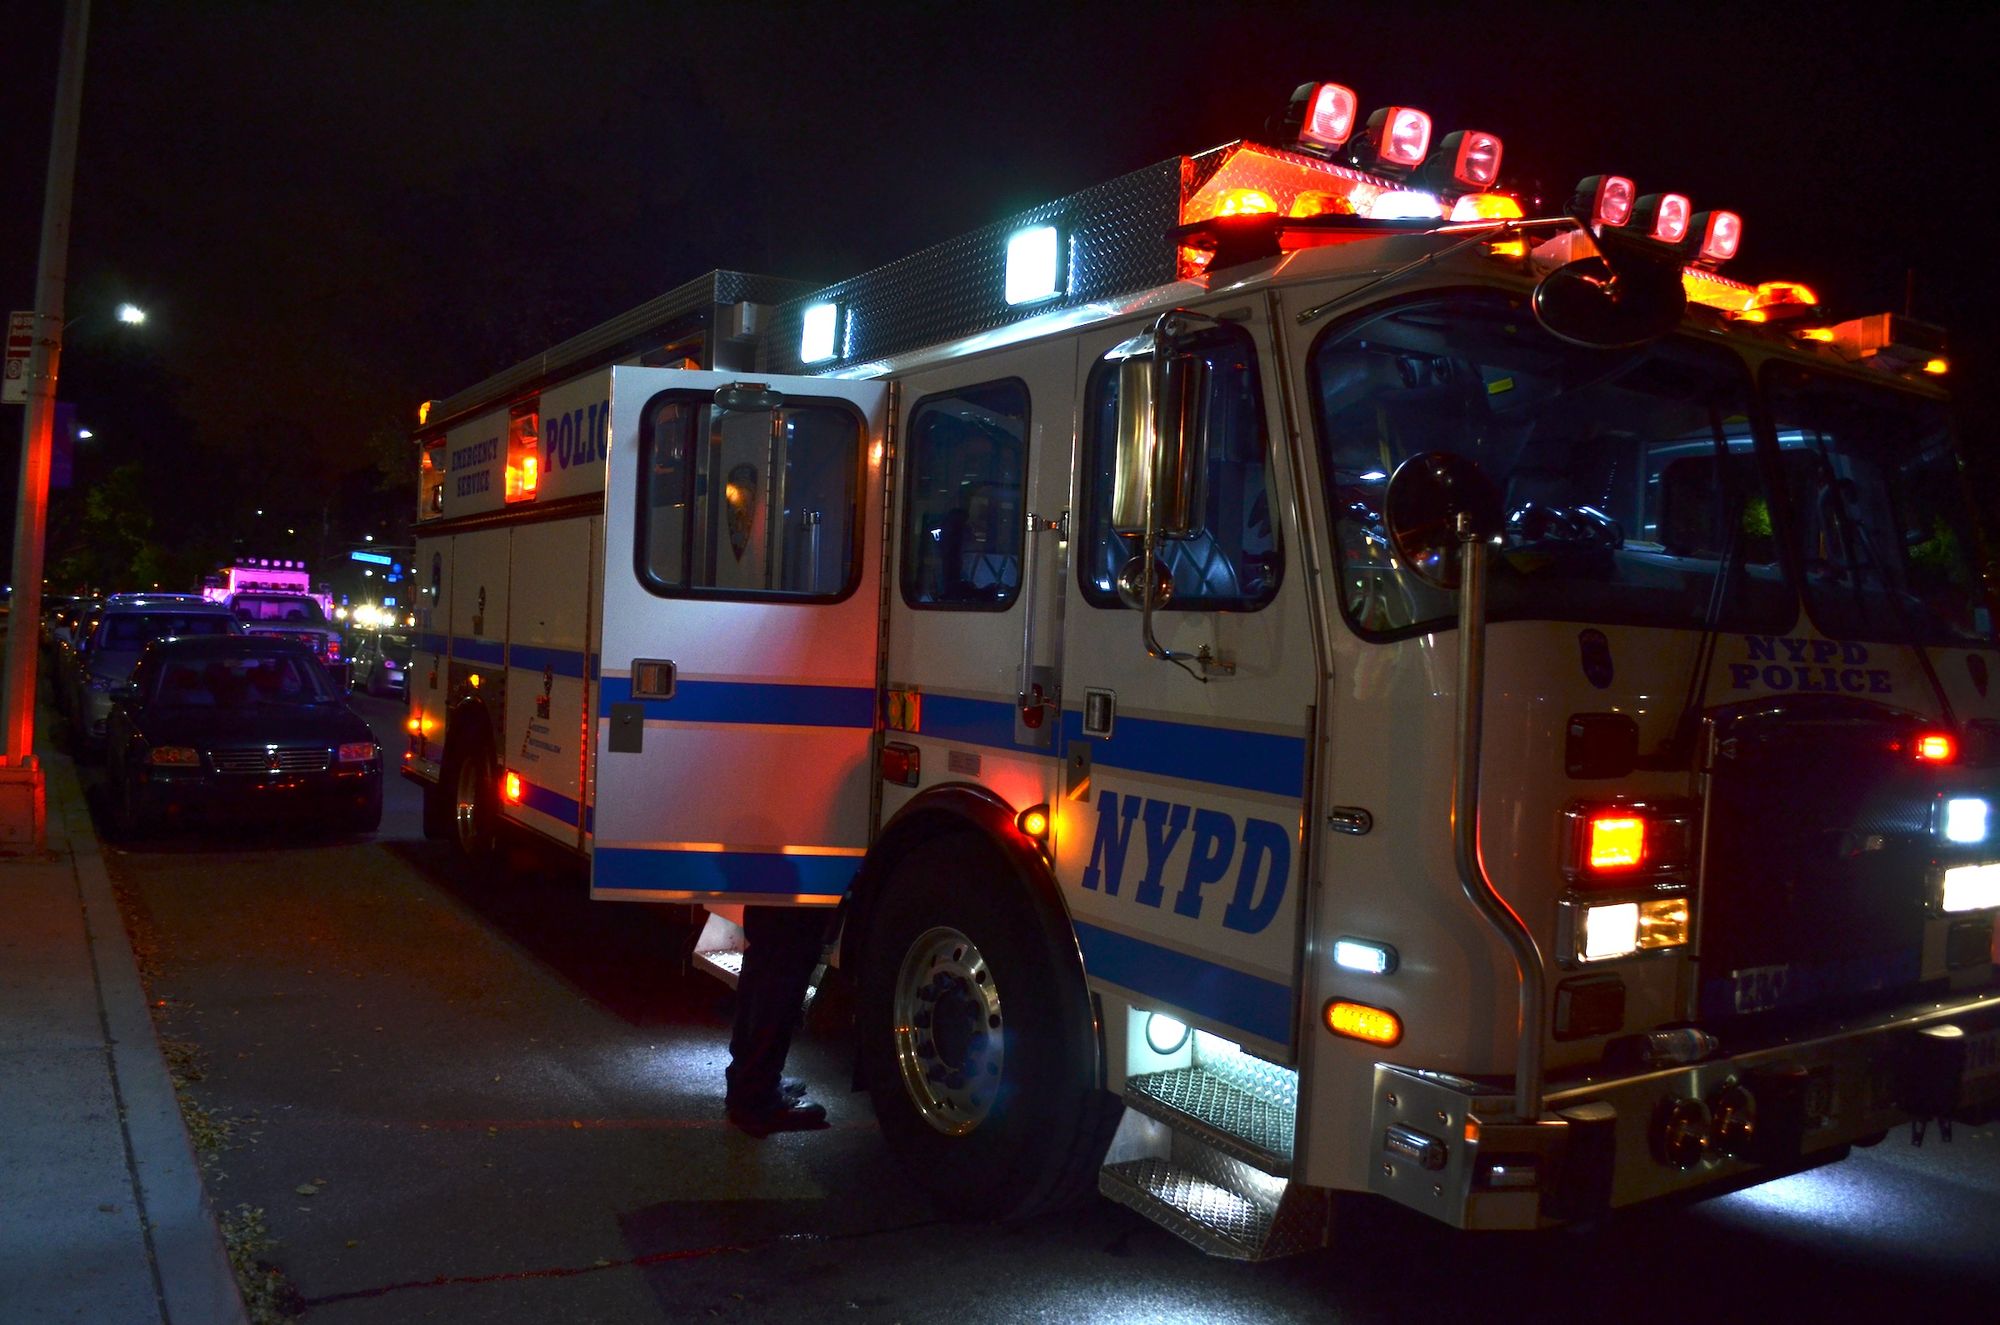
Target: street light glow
x=131 y=313
x=84 y=434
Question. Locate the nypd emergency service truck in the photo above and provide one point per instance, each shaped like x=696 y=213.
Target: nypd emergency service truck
x=1296 y=676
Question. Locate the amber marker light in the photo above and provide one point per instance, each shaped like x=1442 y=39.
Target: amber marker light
x=512 y=785
x=1937 y=367
x=1358 y=1021
x=1034 y=821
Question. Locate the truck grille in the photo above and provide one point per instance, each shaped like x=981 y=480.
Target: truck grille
x=1814 y=890
x=270 y=761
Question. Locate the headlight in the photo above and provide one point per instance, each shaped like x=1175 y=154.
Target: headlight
x=1971 y=887
x=178 y=755
x=1965 y=819
x=356 y=752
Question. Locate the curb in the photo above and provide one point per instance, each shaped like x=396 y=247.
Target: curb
x=197 y=1285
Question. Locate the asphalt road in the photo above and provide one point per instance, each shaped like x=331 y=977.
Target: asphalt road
x=499 y=1102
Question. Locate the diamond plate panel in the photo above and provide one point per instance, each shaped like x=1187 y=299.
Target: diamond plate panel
x=1118 y=244
x=1243 y=1124
x=1219 y=1221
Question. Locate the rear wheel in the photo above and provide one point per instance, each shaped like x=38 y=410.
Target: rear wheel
x=978 y=1044
x=475 y=817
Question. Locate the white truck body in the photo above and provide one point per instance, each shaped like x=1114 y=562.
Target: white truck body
x=716 y=647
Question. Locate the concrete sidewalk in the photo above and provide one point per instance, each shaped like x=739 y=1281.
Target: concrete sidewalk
x=103 y=1218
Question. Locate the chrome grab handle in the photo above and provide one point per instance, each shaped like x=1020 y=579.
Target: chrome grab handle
x=1028 y=696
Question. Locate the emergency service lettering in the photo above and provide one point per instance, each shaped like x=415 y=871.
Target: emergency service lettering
x=1781 y=663
x=467 y=457
x=580 y=437
x=1263 y=863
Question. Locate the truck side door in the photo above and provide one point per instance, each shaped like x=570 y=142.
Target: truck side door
x=735 y=715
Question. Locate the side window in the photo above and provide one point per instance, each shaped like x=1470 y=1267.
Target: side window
x=750 y=503
x=1234 y=562
x=962 y=521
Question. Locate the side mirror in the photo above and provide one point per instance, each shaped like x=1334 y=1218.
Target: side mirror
x=1161 y=453
x=1627 y=296
x=1428 y=496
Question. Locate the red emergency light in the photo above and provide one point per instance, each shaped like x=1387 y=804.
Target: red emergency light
x=1665 y=216
x=1721 y=233
x=1602 y=200
x=1322 y=115
x=1401 y=136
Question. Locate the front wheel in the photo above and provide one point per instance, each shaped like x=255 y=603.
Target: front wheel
x=978 y=1043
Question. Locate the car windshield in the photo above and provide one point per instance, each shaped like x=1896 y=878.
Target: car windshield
x=1883 y=528
x=278 y=607
x=397 y=648
x=241 y=681
x=1628 y=479
x=126 y=631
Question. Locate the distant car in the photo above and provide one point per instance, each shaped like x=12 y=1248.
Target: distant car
x=379 y=662
x=239 y=728
x=102 y=658
x=290 y=616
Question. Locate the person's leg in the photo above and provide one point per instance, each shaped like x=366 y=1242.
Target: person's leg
x=785 y=943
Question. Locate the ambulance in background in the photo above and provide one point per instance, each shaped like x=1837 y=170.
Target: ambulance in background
x=274 y=596
x=1295 y=676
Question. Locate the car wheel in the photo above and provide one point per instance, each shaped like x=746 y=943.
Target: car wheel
x=474 y=832
x=978 y=1043
x=132 y=819
x=368 y=817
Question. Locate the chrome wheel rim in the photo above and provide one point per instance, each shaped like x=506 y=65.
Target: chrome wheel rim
x=949 y=1044
x=465 y=805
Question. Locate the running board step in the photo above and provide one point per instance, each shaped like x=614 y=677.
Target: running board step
x=719 y=952
x=1212 y=1213
x=725 y=964
x=1241 y=1123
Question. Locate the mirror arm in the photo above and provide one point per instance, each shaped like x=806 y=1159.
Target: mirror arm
x=1472 y=874
x=1149 y=536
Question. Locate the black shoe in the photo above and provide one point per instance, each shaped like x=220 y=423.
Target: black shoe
x=780 y=1113
x=792 y=1088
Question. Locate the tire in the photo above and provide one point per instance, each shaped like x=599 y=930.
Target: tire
x=368 y=818
x=978 y=1043
x=473 y=825
x=129 y=817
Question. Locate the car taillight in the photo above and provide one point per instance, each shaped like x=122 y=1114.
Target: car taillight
x=333 y=650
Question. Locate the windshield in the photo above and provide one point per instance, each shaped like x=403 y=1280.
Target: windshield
x=1884 y=533
x=277 y=607
x=242 y=681
x=1629 y=479
x=126 y=631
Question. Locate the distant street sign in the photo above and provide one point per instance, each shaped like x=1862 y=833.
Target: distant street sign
x=20 y=345
x=373 y=558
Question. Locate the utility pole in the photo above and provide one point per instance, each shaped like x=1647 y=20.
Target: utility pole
x=23 y=804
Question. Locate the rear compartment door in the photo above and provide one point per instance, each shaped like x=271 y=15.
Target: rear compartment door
x=735 y=716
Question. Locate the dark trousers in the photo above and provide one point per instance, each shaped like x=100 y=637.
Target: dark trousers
x=785 y=944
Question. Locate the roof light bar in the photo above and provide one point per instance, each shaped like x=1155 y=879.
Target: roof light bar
x=1603 y=200
x=1665 y=216
x=1401 y=136
x=1322 y=115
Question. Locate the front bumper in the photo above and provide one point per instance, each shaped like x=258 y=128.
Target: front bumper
x=1446 y=1145
x=170 y=795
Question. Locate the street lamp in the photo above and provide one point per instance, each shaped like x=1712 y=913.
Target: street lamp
x=131 y=314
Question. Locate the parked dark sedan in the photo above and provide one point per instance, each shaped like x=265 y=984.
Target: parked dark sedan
x=243 y=728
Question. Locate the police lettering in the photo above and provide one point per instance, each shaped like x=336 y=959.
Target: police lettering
x=1806 y=665
x=1261 y=854
x=580 y=437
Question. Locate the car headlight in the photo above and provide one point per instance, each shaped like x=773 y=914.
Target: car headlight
x=178 y=755
x=357 y=752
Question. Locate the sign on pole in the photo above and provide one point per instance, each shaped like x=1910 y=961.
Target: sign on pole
x=20 y=345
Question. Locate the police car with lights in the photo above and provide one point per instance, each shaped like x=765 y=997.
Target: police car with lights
x=1297 y=677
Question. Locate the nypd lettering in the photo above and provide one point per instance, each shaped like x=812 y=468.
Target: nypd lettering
x=1819 y=666
x=477 y=457
x=577 y=437
x=1249 y=862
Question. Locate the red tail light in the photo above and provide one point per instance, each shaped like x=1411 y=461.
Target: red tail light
x=902 y=764
x=1630 y=842
x=1617 y=841
x=1934 y=747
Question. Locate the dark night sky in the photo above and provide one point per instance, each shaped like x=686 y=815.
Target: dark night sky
x=332 y=212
